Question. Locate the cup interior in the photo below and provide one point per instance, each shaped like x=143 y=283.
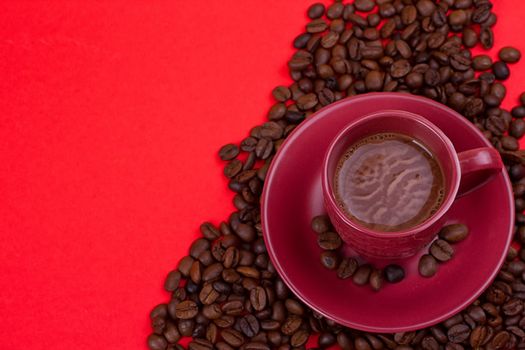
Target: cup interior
x=401 y=122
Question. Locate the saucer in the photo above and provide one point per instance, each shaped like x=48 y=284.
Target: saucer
x=293 y=196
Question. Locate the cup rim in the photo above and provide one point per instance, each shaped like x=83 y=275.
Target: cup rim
x=451 y=192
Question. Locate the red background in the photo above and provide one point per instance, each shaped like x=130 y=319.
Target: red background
x=111 y=116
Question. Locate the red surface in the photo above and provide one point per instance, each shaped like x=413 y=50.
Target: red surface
x=293 y=190
x=111 y=116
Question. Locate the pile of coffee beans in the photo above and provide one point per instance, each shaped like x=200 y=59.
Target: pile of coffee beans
x=226 y=293
x=332 y=258
x=441 y=250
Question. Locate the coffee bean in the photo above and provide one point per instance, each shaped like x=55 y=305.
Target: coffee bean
x=185 y=265
x=299 y=338
x=277 y=111
x=200 y=344
x=186 y=327
x=500 y=340
x=329 y=240
x=291 y=325
x=186 y=310
x=517 y=128
x=208 y=295
x=500 y=70
x=441 y=250
x=294 y=307
x=335 y=10
x=316 y=26
x=481 y=62
x=374 y=81
x=329 y=259
x=509 y=54
x=232 y=337
x=157 y=342
x=249 y=325
x=258 y=298
x=160 y=310
x=196 y=272
x=316 y=11
x=172 y=281
x=394 y=273
x=400 y=68
x=470 y=37
x=486 y=38
x=208 y=230
x=376 y=279
x=458 y=333
x=429 y=343
x=347 y=268
x=228 y=152
x=518 y=112
x=362 y=275
x=361 y=344
x=454 y=233
x=364 y=5
x=427 y=266
x=425 y=7
x=510 y=143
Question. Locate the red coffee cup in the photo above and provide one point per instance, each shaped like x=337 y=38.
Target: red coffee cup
x=463 y=172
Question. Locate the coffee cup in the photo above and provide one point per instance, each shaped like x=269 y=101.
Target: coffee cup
x=390 y=177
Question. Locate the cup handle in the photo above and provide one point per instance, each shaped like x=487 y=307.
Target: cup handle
x=478 y=166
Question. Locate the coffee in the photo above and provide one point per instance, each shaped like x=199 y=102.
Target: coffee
x=389 y=182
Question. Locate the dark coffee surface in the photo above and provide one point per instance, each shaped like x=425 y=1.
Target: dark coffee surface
x=389 y=182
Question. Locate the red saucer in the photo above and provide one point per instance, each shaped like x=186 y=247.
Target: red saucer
x=293 y=195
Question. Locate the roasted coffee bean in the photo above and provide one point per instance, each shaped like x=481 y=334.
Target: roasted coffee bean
x=299 y=338
x=228 y=152
x=316 y=11
x=517 y=128
x=374 y=81
x=291 y=325
x=518 y=112
x=329 y=240
x=458 y=333
x=510 y=143
x=186 y=327
x=500 y=70
x=186 y=310
x=185 y=265
x=208 y=294
x=470 y=37
x=427 y=265
x=172 y=281
x=232 y=337
x=441 y=250
x=454 y=233
x=282 y=93
x=394 y=273
x=376 y=279
x=500 y=340
x=200 y=344
x=362 y=275
x=294 y=307
x=335 y=10
x=317 y=26
x=329 y=259
x=400 y=68
x=482 y=62
x=208 y=230
x=249 y=325
x=157 y=342
x=509 y=54
x=347 y=268
x=258 y=298
x=486 y=38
